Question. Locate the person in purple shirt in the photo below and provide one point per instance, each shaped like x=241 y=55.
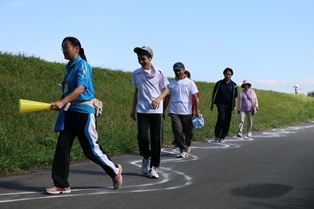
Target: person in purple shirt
x=248 y=104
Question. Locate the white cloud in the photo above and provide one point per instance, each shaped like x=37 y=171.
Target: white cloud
x=309 y=81
x=272 y=82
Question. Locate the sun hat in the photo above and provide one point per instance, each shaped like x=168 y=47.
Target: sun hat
x=198 y=122
x=144 y=48
x=178 y=66
x=246 y=82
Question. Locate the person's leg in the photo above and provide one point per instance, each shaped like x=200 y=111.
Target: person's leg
x=143 y=123
x=61 y=160
x=249 y=123
x=226 y=124
x=156 y=137
x=220 y=122
x=88 y=138
x=241 y=123
x=177 y=130
x=188 y=129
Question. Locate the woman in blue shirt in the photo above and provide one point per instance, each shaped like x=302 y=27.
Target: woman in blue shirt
x=79 y=120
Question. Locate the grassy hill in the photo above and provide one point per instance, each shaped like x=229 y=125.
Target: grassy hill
x=27 y=140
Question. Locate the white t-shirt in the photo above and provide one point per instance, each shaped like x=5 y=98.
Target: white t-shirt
x=149 y=84
x=181 y=92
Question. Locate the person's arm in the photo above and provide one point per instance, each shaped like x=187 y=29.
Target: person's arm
x=235 y=99
x=235 y=106
x=255 y=101
x=213 y=97
x=133 y=111
x=240 y=102
x=73 y=95
x=196 y=105
x=156 y=102
x=166 y=103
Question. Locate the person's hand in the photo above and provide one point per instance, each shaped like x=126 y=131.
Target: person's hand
x=211 y=107
x=57 y=105
x=163 y=116
x=234 y=110
x=155 y=103
x=198 y=114
x=132 y=115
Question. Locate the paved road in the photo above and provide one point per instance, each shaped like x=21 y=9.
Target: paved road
x=272 y=169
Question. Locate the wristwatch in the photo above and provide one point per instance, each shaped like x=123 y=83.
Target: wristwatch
x=198 y=111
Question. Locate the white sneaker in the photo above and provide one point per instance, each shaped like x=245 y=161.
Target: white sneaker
x=145 y=166
x=249 y=134
x=153 y=173
x=183 y=155
x=117 y=180
x=239 y=135
x=58 y=190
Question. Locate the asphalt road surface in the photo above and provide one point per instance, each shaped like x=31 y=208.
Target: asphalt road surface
x=272 y=169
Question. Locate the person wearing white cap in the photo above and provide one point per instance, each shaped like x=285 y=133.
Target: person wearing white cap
x=150 y=89
x=248 y=105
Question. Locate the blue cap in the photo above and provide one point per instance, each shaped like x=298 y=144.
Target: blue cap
x=198 y=122
x=178 y=66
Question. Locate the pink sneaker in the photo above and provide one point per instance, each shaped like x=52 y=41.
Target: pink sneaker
x=58 y=190
x=117 y=180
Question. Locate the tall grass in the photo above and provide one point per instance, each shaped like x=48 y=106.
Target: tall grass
x=27 y=140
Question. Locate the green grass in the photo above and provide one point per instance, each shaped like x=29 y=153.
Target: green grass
x=27 y=140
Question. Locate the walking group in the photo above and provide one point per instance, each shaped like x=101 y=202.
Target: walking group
x=152 y=95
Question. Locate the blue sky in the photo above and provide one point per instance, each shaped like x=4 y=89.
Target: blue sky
x=268 y=42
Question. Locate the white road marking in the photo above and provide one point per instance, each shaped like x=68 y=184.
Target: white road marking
x=163 y=171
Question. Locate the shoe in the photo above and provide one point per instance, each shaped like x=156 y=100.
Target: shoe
x=189 y=149
x=183 y=155
x=145 y=165
x=117 y=180
x=58 y=190
x=221 y=140
x=216 y=139
x=249 y=134
x=239 y=135
x=153 y=173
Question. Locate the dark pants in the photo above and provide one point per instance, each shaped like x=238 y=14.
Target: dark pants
x=153 y=122
x=182 y=128
x=223 y=122
x=82 y=126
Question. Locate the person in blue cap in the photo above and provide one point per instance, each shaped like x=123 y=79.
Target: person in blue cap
x=181 y=91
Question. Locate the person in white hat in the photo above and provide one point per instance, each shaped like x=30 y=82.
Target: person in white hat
x=150 y=85
x=248 y=105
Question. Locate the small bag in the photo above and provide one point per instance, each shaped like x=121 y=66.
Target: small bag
x=94 y=103
x=98 y=105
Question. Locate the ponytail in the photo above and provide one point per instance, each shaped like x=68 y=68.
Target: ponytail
x=82 y=54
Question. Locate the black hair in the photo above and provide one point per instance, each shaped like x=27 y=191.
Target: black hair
x=75 y=42
x=187 y=73
x=143 y=53
x=228 y=69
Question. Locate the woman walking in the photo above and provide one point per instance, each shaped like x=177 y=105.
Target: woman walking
x=79 y=120
x=248 y=106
